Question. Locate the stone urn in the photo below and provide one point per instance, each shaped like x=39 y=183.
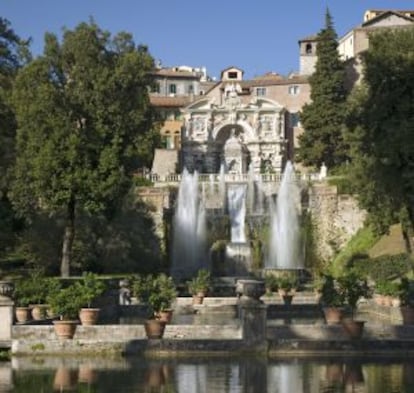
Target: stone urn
x=250 y=291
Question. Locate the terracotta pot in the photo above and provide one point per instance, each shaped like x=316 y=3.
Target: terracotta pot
x=333 y=315
x=198 y=299
x=354 y=329
x=65 y=379
x=154 y=328
x=65 y=330
x=87 y=374
x=23 y=314
x=39 y=311
x=154 y=377
x=89 y=316
x=165 y=315
x=407 y=314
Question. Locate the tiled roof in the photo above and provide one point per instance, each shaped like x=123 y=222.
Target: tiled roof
x=172 y=73
x=269 y=76
x=163 y=101
x=384 y=14
x=313 y=37
x=274 y=81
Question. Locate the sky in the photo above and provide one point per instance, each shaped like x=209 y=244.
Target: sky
x=257 y=36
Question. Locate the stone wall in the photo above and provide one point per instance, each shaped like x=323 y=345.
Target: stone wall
x=336 y=217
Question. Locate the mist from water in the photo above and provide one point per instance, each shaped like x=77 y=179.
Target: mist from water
x=189 y=228
x=284 y=242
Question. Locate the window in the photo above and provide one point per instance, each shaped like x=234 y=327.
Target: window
x=173 y=89
x=260 y=91
x=308 y=49
x=167 y=140
x=232 y=75
x=190 y=89
x=294 y=120
x=155 y=88
x=294 y=90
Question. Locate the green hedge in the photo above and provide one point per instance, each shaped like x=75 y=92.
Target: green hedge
x=384 y=267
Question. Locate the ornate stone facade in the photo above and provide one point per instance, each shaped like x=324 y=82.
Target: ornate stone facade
x=242 y=137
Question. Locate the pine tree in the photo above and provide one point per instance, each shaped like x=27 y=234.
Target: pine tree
x=322 y=119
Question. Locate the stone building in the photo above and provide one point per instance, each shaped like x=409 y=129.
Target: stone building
x=242 y=124
x=249 y=125
x=356 y=41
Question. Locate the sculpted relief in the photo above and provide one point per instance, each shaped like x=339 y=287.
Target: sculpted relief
x=256 y=138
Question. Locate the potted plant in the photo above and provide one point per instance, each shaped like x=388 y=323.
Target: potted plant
x=22 y=299
x=271 y=284
x=66 y=304
x=332 y=300
x=386 y=291
x=31 y=293
x=161 y=294
x=406 y=295
x=287 y=283
x=91 y=288
x=353 y=287
x=198 y=286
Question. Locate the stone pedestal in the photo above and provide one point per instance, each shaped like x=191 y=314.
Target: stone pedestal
x=6 y=310
x=253 y=314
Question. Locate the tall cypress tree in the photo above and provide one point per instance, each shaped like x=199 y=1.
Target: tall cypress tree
x=322 y=119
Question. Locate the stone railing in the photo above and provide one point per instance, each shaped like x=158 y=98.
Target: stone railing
x=233 y=178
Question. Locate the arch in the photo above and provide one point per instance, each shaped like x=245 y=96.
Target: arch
x=247 y=128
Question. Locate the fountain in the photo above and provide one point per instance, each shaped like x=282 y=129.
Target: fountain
x=284 y=244
x=238 y=253
x=188 y=252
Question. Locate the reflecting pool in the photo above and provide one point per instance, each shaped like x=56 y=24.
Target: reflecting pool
x=208 y=375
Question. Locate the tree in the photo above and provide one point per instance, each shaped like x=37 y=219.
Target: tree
x=322 y=119
x=13 y=53
x=381 y=130
x=84 y=126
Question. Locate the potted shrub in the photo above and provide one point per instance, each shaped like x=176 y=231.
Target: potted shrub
x=198 y=286
x=287 y=283
x=66 y=304
x=332 y=300
x=353 y=287
x=271 y=284
x=141 y=286
x=406 y=295
x=31 y=293
x=22 y=298
x=91 y=288
x=386 y=291
x=161 y=294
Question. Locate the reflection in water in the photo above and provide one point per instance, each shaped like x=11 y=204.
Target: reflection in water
x=191 y=378
x=207 y=376
x=285 y=378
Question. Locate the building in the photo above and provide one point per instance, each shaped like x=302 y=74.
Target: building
x=249 y=125
x=356 y=41
x=175 y=88
x=244 y=125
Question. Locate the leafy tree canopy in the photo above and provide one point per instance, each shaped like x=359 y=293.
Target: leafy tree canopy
x=13 y=53
x=83 y=118
x=381 y=129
